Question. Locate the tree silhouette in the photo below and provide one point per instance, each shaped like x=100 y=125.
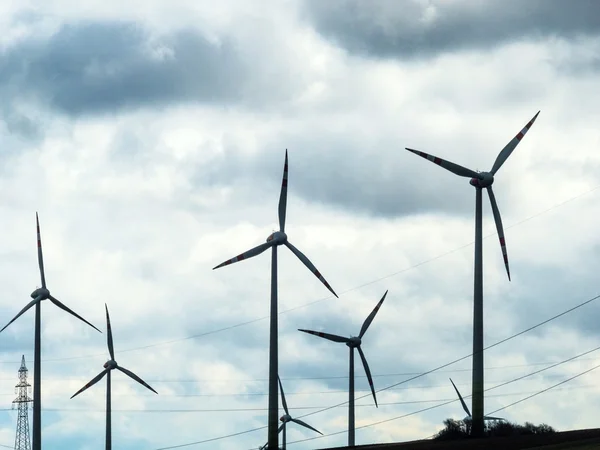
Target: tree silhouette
x=461 y=429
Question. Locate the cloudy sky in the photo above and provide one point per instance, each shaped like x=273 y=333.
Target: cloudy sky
x=150 y=136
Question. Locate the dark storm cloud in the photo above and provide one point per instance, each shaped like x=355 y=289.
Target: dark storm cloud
x=97 y=67
x=410 y=29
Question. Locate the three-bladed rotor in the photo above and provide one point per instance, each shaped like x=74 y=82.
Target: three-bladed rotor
x=43 y=293
x=287 y=417
x=111 y=364
x=485 y=180
x=355 y=341
x=279 y=237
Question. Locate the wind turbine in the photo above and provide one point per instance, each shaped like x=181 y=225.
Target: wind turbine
x=287 y=418
x=38 y=296
x=110 y=365
x=354 y=342
x=273 y=241
x=481 y=180
x=468 y=418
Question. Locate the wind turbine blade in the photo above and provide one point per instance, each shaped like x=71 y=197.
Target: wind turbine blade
x=506 y=151
x=283 y=195
x=331 y=337
x=29 y=305
x=136 y=378
x=91 y=383
x=304 y=424
x=454 y=168
x=249 y=254
x=109 y=338
x=368 y=372
x=40 y=256
x=371 y=316
x=282 y=396
x=499 y=228
x=70 y=311
x=492 y=418
x=464 y=405
x=310 y=265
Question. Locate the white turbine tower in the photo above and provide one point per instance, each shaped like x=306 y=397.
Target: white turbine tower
x=273 y=241
x=354 y=342
x=481 y=180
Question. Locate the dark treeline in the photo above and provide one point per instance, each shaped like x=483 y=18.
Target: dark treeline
x=461 y=429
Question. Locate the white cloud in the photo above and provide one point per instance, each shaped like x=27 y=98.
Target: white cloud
x=137 y=206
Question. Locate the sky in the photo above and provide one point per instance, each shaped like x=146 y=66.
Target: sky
x=150 y=137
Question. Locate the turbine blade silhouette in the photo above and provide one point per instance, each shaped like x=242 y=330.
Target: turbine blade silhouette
x=246 y=255
x=40 y=256
x=492 y=418
x=135 y=377
x=92 y=382
x=508 y=149
x=371 y=316
x=279 y=430
x=109 y=338
x=499 y=228
x=29 y=305
x=454 y=168
x=464 y=405
x=285 y=408
x=368 y=372
x=331 y=337
x=304 y=424
x=70 y=311
x=283 y=195
x=310 y=265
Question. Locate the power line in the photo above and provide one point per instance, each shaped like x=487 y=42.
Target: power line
x=331 y=391
x=249 y=322
x=229 y=410
x=547 y=389
x=337 y=377
x=469 y=396
x=413 y=378
x=464 y=357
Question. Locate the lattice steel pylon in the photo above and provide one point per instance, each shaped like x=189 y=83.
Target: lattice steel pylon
x=22 y=439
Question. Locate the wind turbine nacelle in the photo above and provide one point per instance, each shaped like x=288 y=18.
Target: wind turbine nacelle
x=110 y=364
x=487 y=179
x=354 y=342
x=43 y=293
x=278 y=238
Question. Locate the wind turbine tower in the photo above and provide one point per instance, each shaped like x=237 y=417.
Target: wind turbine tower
x=480 y=181
x=22 y=439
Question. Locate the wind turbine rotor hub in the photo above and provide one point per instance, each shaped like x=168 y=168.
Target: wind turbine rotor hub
x=110 y=364
x=486 y=180
x=285 y=418
x=42 y=293
x=354 y=342
x=278 y=238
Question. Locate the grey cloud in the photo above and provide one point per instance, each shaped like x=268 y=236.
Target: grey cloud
x=22 y=126
x=386 y=185
x=96 y=67
x=343 y=175
x=562 y=293
x=424 y=29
